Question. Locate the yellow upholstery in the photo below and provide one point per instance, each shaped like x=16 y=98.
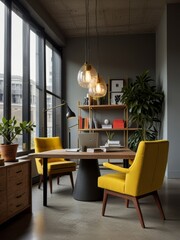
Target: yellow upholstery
x=144 y=176
x=56 y=166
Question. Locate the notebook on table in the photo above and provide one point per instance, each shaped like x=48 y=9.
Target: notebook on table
x=88 y=140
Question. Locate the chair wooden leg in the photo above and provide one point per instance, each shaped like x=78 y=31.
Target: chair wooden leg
x=105 y=197
x=40 y=181
x=136 y=204
x=50 y=183
x=58 y=180
x=127 y=203
x=72 y=181
x=158 y=203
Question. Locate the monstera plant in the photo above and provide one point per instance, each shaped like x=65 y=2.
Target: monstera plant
x=144 y=101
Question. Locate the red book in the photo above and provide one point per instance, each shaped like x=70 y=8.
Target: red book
x=80 y=123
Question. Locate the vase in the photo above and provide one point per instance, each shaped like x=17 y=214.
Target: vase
x=8 y=152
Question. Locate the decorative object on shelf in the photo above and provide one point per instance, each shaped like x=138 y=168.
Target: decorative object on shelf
x=9 y=129
x=106 y=121
x=110 y=135
x=86 y=100
x=95 y=123
x=106 y=124
x=87 y=73
x=118 y=123
x=144 y=101
x=115 y=91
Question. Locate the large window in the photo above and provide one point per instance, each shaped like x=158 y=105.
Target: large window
x=53 y=88
x=26 y=89
x=34 y=80
x=16 y=71
x=49 y=88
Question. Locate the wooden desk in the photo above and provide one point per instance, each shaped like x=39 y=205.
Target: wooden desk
x=86 y=182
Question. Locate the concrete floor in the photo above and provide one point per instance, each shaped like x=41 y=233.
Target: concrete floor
x=66 y=218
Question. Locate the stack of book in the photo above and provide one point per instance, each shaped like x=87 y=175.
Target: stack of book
x=112 y=146
x=111 y=143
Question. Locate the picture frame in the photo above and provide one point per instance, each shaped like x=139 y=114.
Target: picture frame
x=115 y=98
x=116 y=85
x=115 y=91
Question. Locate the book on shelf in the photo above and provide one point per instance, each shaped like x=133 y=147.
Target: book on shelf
x=80 y=122
x=83 y=122
x=86 y=122
x=106 y=126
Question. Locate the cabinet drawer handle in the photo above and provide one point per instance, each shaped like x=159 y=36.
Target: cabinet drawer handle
x=19 y=196
x=19 y=183
x=18 y=205
x=19 y=171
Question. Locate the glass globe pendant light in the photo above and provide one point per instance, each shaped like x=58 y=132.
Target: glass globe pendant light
x=87 y=73
x=99 y=89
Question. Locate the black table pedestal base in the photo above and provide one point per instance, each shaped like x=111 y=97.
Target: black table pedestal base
x=86 y=188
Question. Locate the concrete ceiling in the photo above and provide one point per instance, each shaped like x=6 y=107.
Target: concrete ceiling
x=114 y=17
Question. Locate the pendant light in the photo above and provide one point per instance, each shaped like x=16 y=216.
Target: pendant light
x=97 y=89
x=87 y=73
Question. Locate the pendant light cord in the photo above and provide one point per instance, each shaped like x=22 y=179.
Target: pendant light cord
x=87 y=31
x=97 y=36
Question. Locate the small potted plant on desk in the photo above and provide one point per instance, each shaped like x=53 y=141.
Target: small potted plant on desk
x=9 y=130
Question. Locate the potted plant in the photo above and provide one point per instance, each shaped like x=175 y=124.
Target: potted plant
x=9 y=130
x=144 y=102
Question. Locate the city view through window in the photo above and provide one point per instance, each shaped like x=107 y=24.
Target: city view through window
x=18 y=97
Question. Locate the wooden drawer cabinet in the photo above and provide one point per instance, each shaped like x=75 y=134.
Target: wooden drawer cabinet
x=15 y=189
x=3 y=198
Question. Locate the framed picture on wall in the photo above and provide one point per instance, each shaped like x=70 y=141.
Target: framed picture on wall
x=115 y=98
x=115 y=89
x=116 y=85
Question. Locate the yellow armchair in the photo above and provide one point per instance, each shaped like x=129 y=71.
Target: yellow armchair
x=56 y=166
x=144 y=177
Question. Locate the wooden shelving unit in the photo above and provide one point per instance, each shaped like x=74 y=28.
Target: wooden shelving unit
x=110 y=110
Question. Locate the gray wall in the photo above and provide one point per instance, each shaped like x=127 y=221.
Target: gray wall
x=168 y=68
x=127 y=56
x=119 y=57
